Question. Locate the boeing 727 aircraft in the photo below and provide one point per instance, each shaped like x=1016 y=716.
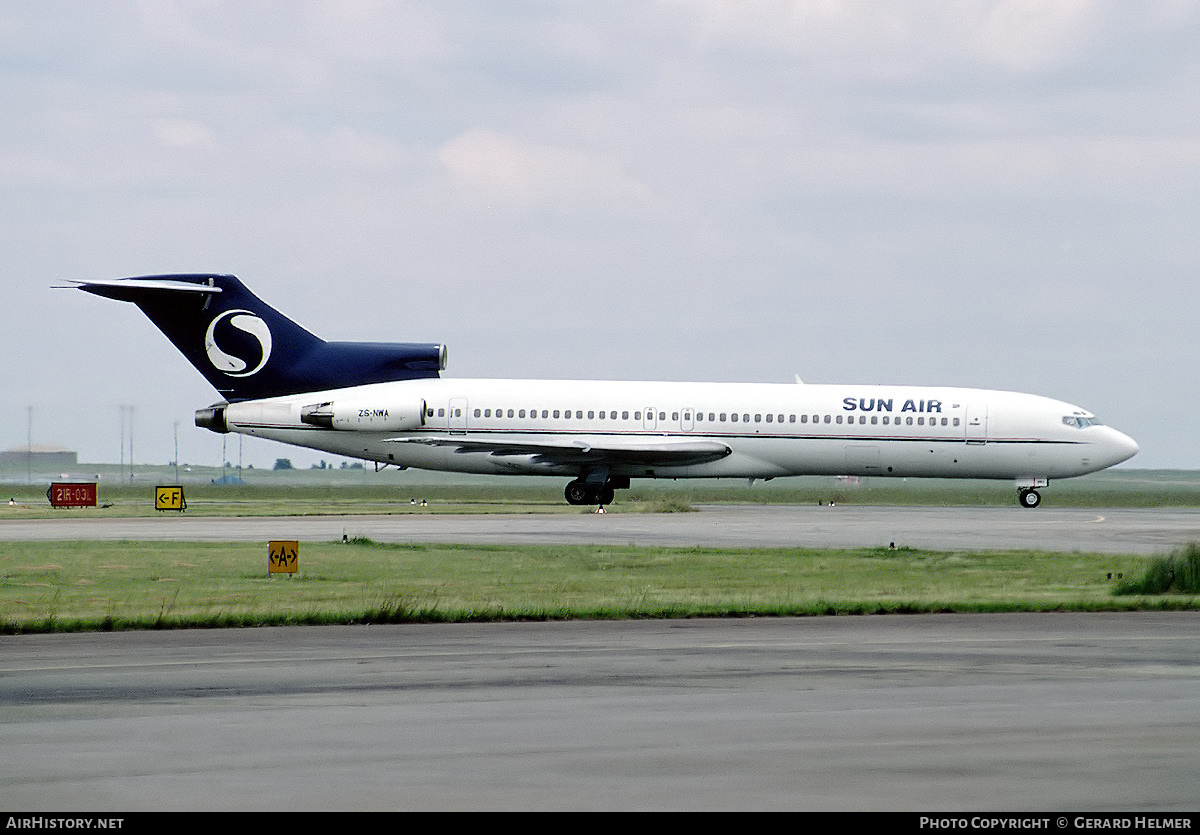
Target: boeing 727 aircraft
x=386 y=402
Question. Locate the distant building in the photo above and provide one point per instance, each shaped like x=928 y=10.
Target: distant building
x=40 y=456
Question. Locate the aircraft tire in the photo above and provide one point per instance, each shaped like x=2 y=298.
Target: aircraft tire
x=578 y=492
x=1029 y=498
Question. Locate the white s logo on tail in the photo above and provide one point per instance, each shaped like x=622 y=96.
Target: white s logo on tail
x=246 y=322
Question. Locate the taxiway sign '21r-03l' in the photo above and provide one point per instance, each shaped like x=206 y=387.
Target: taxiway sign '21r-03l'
x=386 y=402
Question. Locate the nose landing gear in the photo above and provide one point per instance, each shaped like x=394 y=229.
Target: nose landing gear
x=1027 y=494
x=1029 y=497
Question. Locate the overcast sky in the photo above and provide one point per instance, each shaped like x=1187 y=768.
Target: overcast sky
x=994 y=194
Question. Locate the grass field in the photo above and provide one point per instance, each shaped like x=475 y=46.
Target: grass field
x=121 y=585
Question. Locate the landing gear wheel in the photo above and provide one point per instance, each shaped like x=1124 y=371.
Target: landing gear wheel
x=578 y=492
x=1029 y=498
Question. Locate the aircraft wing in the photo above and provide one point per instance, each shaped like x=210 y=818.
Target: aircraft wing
x=591 y=450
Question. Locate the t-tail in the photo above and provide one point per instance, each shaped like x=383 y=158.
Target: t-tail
x=247 y=350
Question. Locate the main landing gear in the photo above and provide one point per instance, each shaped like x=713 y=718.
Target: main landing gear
x=580 y=492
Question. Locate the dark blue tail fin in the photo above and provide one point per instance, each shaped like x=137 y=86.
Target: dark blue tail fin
x=246 y=349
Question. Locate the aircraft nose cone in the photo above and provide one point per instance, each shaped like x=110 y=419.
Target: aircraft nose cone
x=1122 y=447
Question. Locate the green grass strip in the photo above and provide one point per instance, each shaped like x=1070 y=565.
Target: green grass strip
x=72 y=586
x=1178 y=573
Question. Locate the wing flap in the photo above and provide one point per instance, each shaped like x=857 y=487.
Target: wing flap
x=584 y=450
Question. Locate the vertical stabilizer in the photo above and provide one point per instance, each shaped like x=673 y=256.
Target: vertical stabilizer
x=247 y=350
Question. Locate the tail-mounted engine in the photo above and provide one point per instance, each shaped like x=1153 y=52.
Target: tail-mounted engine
x=365 y=416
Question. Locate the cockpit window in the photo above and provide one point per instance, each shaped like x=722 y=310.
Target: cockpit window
x=1081 y=421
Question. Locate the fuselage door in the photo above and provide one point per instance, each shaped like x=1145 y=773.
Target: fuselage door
x=649 y=418
x=975 y=425
x=456 y=416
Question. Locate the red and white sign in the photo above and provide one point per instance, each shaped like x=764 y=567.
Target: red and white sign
x=71 y=494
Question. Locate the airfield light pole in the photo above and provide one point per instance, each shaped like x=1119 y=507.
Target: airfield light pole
x=126 y=409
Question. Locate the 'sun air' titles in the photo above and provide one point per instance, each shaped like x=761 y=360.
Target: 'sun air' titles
x=884 y=404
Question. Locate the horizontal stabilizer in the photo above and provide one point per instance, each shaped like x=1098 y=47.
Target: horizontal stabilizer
x=129 y=289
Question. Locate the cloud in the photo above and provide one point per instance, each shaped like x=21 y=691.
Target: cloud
x=847 y=40
x=499 y=168
x=182 y=133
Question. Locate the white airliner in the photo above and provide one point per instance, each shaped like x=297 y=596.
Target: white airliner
x=385 y=402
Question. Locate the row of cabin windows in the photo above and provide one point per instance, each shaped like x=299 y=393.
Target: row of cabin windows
x=713 y=417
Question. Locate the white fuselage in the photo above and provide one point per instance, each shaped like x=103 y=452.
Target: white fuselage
x=768 y=430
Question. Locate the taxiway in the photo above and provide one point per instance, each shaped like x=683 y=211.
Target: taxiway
x=978 y=713
x=1125 y=530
